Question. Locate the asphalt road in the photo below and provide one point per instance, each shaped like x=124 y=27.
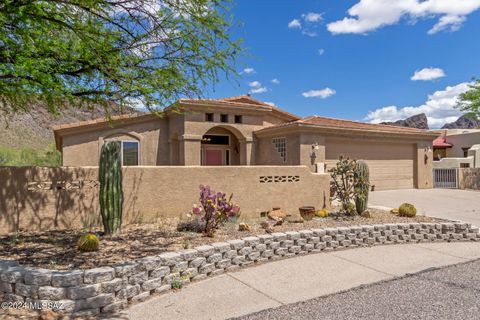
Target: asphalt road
x=447 y=293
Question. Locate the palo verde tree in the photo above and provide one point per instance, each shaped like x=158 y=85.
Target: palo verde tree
x=122 y=52
x=469 y=101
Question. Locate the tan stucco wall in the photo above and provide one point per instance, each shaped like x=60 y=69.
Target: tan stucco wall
x=83 y=148
x=150 y=193
x=469 y=178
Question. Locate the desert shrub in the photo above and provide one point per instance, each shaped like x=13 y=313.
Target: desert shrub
x=343 y=183
x=215 y=209
x=88 y=242
x=48 y=157
x=407 y=210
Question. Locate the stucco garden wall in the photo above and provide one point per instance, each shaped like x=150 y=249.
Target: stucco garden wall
x=34 y=198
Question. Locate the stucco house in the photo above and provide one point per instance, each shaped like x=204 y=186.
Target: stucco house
x=457 y=148
x=243 y=131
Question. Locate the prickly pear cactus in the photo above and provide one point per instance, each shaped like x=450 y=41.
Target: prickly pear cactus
x=111 y=193
x=362 y=186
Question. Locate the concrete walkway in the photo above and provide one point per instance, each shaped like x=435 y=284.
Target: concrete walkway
x=441 y=203
x=297 y=279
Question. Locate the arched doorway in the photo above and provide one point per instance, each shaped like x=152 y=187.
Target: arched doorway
x=220 y=147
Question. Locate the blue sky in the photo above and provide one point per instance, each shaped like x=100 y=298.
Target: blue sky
x=358 y=61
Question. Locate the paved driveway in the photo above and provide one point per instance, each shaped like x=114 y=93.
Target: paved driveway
x=443 y=203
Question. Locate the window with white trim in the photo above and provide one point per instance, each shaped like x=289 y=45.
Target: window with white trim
x=280 y=145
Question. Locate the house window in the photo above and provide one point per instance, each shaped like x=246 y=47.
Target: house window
x=130 y=153
x=238 y=119
x=209 y=117
x=224 y=118
x=464 y=165
x=465 y=152
x=280 y=145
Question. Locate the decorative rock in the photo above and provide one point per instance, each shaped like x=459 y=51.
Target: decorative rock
x=67 y=279
x=265 y=238
x=223 y=263
x=39 y=277
x=115 y=307
x=128 y=292
x=149 y=263
x=190 y=272
x=98 y=275
x=205 y=251
x=52 y=293
x=96 y=302
x=151 y=284
x=245 y=251
x=221 y=246
x=126 y=269
x=26 y=290
x=197 y=262
x=10 y=297
x=180 y=266
x=230 y=254
x=5 y=264
x=140 y=297
x=113 y=285
x=251 y=241
x=160 y=272
x=138 y=278
x=77 y=293
x=292 y=235
x=189 y=254
x=277 y=213
x=170 y=258
x=165 y=288
x=6 y=287
x=214 y=258
x=236 y=244
x=13 y=275
x=207 y=268
x=279 y=236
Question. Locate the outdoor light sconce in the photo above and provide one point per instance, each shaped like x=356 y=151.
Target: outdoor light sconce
x=315 y=147
x=425 y=156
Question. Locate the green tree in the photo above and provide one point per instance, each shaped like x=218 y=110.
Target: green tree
x=469 y=101
x=129 y=52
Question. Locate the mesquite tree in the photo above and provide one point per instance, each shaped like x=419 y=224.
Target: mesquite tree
x=111 y=193
x=112 y=52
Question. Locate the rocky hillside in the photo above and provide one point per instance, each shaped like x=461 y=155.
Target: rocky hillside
x=33 y=129
x=418 y=121
x=464 y=122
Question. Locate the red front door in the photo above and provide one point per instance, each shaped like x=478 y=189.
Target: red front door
x=213 y=158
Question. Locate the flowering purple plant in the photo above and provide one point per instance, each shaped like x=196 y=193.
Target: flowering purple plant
x=216 y=209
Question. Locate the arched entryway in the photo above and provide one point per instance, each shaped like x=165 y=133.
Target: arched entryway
x=221 y=147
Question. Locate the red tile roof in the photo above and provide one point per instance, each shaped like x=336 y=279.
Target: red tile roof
x=354 y=125
x=441 y=142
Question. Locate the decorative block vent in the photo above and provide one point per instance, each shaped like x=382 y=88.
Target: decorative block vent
x=280 y=145
x=62 y=185
x=272 y=179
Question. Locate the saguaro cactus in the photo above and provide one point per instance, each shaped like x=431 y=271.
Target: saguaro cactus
x=111 y=193
x=362 y=186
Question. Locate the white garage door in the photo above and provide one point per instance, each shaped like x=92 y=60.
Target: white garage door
x=391 y=165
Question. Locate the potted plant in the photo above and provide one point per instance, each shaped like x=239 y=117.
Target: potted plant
x=307 y=212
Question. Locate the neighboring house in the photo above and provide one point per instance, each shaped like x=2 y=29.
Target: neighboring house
x=457 y=148
x=244 y=131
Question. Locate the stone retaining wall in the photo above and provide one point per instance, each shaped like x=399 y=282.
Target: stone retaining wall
x=109 y=289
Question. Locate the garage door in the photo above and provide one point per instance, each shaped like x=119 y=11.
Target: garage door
x=391 y=164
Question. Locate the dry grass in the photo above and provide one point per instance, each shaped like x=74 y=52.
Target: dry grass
x=57 y=249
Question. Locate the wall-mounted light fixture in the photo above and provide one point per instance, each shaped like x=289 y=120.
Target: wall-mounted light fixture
x=315 y=147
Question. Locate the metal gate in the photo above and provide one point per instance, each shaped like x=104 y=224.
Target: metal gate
x=445 y=178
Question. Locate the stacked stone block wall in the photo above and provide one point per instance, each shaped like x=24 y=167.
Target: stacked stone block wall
x=108 y=289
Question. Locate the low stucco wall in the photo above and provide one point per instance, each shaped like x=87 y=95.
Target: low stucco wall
x=453 y=162
x=469 y=178
x=34 y=198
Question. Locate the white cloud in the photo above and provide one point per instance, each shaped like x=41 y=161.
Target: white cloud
x=370 y=15
x=321 y=51
x=271 y=103
x=312 y=17
x=257 y=87
x=249 y=70
x=295 y=24
x=275 y=81
x=258 y=90
x=439 y=108
x=427 y=74
x=322 y=93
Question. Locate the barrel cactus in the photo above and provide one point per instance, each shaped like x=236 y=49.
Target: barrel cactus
x=407 y=210
x=362 y=186
x=88 y=242
x=111 y=193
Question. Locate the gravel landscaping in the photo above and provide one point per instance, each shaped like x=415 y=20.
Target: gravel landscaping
x=57 y=249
